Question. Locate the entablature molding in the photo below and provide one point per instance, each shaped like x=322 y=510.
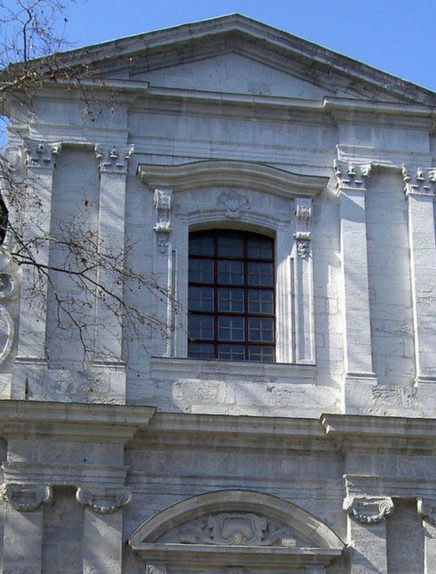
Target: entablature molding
x=231 y=173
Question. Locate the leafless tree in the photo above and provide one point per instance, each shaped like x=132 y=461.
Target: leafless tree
x=32 y=32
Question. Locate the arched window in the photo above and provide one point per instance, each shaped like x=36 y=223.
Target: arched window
x=231 y=296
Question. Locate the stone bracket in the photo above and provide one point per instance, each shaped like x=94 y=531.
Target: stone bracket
x=103 y=500
x=25 y=497
x=369 y=509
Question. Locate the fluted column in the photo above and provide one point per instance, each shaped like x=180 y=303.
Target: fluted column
x=367 y=533
x=351 y=186
x=32 y=357
x=108 y=361
x=420 y=187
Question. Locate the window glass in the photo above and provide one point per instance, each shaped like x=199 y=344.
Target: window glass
x=231 y=296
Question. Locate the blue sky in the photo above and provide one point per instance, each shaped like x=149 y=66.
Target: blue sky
x=395 y=36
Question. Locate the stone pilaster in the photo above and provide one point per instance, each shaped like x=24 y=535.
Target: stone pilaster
x=31 y=358
x=367 y=532
x=427 y=511
x=303 y=283
x=23 y=527
x=108 y=363
x=419 y=187
x=351 y=186
x=103 y=528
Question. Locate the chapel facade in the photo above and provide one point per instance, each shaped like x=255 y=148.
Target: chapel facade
x=245 y=380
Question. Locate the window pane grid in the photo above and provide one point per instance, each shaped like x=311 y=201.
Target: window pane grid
x=231 y=296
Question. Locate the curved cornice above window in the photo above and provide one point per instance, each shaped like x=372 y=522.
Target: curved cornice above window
x=228 y=173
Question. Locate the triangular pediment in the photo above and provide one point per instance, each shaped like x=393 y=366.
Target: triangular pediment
x=235 y=54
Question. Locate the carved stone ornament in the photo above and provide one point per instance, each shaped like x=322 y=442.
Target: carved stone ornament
x=234 y=528
x=41 y=155
x=302 y=235
x=103 y=500
x=25 y=497
x=233 y=203
x=7 y=333
x=162 y=205
x=427 y=510
x=369 y=509
x=113 y=159
x=156 y=568
x=8 y=286
x=351 y=175
x=418 y=181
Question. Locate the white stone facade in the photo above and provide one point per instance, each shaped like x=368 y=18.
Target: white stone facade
x=123 y=455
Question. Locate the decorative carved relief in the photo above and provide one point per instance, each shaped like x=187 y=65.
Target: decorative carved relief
x=113 y=159
x=40 y=154
x=103 y=500
x=234 y=528
x=162 y=205
x=25 y=497
x=7 y=333
x=418 y=181
x=350 y=175
x=369 y=509
x=302 y=235
x=8 y=286
x=156 y=568
x=427 y=510
x=233 y=203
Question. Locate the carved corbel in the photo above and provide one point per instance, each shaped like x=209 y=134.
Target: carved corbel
x=41 y=155
x=103 y=500
x=25 y=497
x=303 y=235
x=113 y=159
x=419 y=181
x=350 y=175
x=369 y=509
x=162 y=227
x=427 y=510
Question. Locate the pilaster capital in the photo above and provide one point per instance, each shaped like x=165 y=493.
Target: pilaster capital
x=427 y=510
x=103 y=500
x=419 y=181
x=303 y=235
x=369 y=509
x=41 y=155
x=156 y=568
x=25 y=497
x=351 y=176
x=113 y=159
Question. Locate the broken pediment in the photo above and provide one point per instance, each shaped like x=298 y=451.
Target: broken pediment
x=244 y=528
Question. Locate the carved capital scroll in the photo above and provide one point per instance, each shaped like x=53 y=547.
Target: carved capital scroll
x=419 y=181
x=350 y=175
x=113 y=159
x=25 y=497
x=41 y=155
x=427 y=510
x=369 y=509
x=103 y=500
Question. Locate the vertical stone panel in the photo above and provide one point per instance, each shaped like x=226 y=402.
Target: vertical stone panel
x=389 y=278
x=74 y=214
x=405 y=539
x=63 y=533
